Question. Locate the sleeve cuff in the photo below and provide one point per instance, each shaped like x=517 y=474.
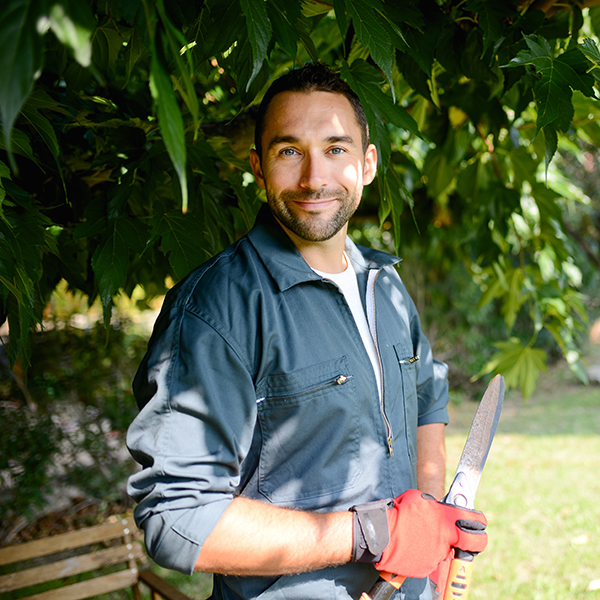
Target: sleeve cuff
x=169 y=541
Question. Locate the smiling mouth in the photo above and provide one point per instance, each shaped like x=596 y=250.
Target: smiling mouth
x=315 y=204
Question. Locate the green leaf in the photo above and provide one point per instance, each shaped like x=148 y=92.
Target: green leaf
x=222 y=24
x=341 y=16
x=107 y=44
x=248 y=202
x=316 y=9
x=21 y=321
x=45 y=130
x=521 y=366
x=112 y=258
x=24 y=239
x=259 y=33
x=439 y=170
x=420 y=49
x=135 y=51
x=558 y=77
x=550 y=144
x=379 y=107
x=515 y=298
x=372 y=34
x=72 y=22
x=95 y=219
x=184 y=72
x=590 y=51
x=42 y=125
x=283 y=17
x=4 y=171
x=308 y=43
x=545 y=199
x=365 y=80
x=20 y=144
x=491 y=17
x=20 y=61
x=182 y=241
x=169 y=120
x=594 y=14
x=523 y=166
x=41 y=100
x=393 y=200
x=396 y=34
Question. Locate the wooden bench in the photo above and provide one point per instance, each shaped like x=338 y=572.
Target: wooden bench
x=108 y=555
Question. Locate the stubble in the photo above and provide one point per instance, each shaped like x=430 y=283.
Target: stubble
x=313 y=226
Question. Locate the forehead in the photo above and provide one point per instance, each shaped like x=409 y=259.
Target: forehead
x=310 y=115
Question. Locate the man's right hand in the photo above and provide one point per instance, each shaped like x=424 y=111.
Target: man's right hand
x=423 y=532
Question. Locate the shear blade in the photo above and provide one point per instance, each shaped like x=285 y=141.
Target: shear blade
x=477 y=447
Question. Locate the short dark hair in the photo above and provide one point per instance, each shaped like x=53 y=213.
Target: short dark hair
x=314 y=77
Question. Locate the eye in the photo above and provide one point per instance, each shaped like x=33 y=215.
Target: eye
x=337 y=151
x=288 y=152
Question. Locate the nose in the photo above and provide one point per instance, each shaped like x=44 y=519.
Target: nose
x=315 y=173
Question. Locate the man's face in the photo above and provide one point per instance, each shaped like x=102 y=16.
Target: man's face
x=313 y=167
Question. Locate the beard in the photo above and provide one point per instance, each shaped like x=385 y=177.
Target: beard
x=313 y=226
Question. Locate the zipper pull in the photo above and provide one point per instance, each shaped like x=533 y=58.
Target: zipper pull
x=390 y=446
x=410 y=361
x=342 y=379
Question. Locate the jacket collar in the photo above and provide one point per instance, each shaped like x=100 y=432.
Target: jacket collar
x=285 y=263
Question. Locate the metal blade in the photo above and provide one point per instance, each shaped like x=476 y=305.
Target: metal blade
x=477 y=447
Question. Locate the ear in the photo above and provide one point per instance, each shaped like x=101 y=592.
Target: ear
x=370 y=167
x=257 y=169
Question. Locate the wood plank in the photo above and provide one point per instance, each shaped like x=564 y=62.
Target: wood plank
x=161 y=587
x=64 y=541
x=70 y=566
x=87 y=589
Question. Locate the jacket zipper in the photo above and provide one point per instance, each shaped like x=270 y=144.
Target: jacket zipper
x=372 y=320
x=339 y=380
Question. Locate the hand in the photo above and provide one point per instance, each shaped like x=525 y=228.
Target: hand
x=440 y=576
x=423 y=532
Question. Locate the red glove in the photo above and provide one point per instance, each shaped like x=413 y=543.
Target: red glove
x=440 y=575
x=423 y=531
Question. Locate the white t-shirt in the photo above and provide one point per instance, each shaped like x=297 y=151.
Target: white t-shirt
x=348 y=285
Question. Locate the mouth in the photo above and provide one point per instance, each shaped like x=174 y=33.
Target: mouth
x=315 y=205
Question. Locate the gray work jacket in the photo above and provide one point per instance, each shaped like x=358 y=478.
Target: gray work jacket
x=256 y=383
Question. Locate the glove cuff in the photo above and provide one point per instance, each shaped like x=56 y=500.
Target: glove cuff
x=370 y=530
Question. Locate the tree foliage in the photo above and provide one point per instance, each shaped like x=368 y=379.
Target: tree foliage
x=126 y=127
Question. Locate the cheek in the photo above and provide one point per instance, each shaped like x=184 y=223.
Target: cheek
x=352 y=175
x=275 y=179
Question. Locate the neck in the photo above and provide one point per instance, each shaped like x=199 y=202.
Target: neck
x=327 y=256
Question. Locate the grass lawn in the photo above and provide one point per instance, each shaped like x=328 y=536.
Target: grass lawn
x=540 y=492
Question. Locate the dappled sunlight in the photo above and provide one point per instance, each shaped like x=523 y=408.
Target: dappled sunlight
x=337 y=125
x=354 y=172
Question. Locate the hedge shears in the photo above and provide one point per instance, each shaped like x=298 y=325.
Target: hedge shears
x=461 y=493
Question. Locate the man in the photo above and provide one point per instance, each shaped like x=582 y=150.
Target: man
x=288 y=383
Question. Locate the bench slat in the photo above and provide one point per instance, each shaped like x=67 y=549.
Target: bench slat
x=64 y=541
x=94 y=587
x=70 y=566
x=128 y=551
x=160 y=586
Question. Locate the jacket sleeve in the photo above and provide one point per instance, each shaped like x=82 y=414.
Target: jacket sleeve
x=195 y=427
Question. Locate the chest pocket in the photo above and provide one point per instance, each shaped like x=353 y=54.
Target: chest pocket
x=408 y=364
x=309 y=422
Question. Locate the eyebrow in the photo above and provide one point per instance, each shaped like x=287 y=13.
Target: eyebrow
x=282 y=139
x=291 y=139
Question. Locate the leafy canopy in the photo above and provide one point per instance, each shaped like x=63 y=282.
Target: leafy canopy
x=126 y=127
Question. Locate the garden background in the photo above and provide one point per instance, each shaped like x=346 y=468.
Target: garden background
x=125 y=132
